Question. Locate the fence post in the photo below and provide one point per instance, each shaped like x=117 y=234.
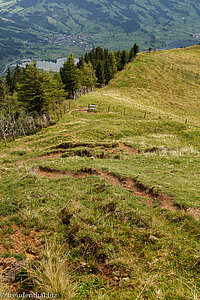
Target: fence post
x=4 y=136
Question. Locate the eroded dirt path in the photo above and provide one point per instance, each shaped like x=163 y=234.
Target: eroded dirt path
x=84 y=110
x=163 y=200
x=106 y=151
x=130 y=184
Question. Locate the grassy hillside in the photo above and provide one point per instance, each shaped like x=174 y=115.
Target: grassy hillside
x=117 y=189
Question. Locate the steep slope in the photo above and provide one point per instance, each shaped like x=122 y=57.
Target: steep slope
x=168 y=81
x=64 y=25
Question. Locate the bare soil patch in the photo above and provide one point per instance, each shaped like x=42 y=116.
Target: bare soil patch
x=22 y=243
x=52 y=173
x=72 y=145
x=41 y=157
x=128 y=148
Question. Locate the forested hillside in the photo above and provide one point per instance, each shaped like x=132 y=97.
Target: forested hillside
x=51 y=29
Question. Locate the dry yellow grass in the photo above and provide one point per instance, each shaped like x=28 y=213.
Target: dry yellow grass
x=51 y=274
x=167 y=81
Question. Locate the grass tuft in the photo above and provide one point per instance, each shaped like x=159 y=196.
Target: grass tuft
x=51 y=274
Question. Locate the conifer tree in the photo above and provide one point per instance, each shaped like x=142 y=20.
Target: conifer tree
x=16 y=77
x=135 y=49
x=88 y=77
x=100 y=73
x=54 y=89
x=70 y=75
x=124 y=59
x=3 y=93
x=131 y=56
x=99 y=54
x=31 y=93
x=112 y=63
x=118 y=59
x=9 y=81
x=107 y=71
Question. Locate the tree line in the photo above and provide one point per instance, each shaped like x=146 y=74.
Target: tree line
x=29 y=93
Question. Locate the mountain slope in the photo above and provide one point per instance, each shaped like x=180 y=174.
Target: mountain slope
x=64 y=25
x=117 y=188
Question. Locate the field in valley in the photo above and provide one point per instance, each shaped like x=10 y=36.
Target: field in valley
x=105 y=204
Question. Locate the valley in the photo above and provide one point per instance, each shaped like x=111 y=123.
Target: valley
x=50 y=30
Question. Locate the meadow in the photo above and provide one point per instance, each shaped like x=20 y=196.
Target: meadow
x=105 y=204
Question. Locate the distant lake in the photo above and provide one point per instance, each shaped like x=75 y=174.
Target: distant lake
x=45 y=65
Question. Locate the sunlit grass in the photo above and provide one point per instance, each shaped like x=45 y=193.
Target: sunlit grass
x=110 y=243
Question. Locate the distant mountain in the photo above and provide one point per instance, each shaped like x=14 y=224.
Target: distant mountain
x=43 y=27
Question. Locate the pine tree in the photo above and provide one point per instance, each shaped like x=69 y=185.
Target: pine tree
x=131 y=56
x=112 y=63
x=135 y=49
x=118 y=59
x=107 y=71
x=31 y=92
x=70 y=75
x=100 y=73
x=16 y=77
x=80 y=62
x=54 y=89
x=99 y=54
x=9 y=81
x=88 y=77
x=124 y=58
x=3 y=93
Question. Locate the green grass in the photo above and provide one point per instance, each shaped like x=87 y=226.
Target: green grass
x=116 y=244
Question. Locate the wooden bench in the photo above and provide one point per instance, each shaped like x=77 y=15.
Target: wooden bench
x=92 y=107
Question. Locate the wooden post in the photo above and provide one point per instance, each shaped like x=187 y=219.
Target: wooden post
x=4 y=137
x=145 y=115
x=41 y=124
x=186 y=121
x=52 y=118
